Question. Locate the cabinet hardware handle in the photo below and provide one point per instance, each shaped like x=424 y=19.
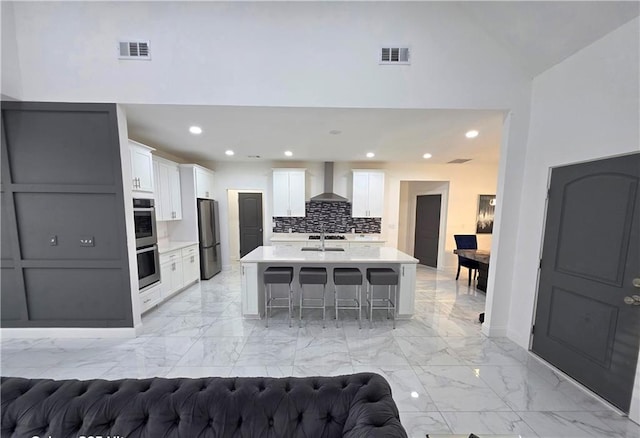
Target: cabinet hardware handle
x=403 y=271
x=173 y=267
x=243 y=270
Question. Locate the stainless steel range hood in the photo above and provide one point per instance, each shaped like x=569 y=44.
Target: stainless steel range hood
x=328 y=195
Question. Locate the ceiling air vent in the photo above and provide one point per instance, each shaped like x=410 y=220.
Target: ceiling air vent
x=459 y=161
x=134 y=50
x=394 y=55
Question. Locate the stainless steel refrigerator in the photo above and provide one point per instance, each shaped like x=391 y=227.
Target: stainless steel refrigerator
x=209 y=236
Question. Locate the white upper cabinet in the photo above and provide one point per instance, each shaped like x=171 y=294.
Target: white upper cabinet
x=204 y=183
x=368 y=193
x=141 y=167
x=289 y=192
x=168 y=197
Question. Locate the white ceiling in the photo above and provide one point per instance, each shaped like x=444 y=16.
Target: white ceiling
x=392 y=134
x=537 y=35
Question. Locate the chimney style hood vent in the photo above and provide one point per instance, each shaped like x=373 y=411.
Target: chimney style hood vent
x=328 y=195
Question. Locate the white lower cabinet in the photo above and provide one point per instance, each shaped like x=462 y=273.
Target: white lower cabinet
x=179 y=269
x=250 y=295
x=190 y=265
x=150 y=297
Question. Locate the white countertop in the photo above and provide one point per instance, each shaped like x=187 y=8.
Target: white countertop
x=172 y=245
x=349 y=255
x=304 y=237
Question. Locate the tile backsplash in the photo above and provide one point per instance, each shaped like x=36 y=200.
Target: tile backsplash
x=334 y=216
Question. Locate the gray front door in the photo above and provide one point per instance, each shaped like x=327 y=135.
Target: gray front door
x=250 y=205
x=586 y=322
x=427 y=229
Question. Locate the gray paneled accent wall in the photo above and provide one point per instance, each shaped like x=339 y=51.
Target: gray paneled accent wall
x=334 y=217
x=62 y=182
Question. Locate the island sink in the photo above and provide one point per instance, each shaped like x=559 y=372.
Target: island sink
x=313 y=248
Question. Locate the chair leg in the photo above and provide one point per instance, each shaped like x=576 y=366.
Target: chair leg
x=290 y=304
x=324 y=306
x=335 y=302
x=359 y=295
x=458 y=273
x=267 y=288
x=370 y=303
x=395 y=304
x=470 y=270
x=300 y=319
x=388 y=302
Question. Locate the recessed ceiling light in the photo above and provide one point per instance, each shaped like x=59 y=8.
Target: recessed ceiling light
x=335 y=132
x=370 y=155
x=427 y=156
x=195 y=130
x=229 y=152
x=471 y=134
x=288 y=153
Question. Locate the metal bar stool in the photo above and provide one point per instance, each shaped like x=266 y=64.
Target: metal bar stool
x=348 y=277
x=313 y=276
x=277 y=275
x=382 y=277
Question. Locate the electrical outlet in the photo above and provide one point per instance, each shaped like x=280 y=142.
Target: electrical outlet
x=86 y=241
x=53 y=240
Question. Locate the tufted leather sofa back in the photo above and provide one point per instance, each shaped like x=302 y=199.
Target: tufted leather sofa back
x=358 y=405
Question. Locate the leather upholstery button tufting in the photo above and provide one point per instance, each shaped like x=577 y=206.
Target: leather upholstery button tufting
x=321 y=407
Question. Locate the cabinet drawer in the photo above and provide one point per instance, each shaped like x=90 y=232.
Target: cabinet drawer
x=150 y=298
x=189 y=251
x=169 y=256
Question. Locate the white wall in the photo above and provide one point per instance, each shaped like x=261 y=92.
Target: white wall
x=11 y=86
x=583 y=109
x=255 y=53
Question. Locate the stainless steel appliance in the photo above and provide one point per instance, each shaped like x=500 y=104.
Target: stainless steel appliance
x=209 y=237
x=148 y=265
x=144 y=219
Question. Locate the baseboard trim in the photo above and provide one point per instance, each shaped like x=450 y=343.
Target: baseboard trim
x=68 y=332
x=494 y=332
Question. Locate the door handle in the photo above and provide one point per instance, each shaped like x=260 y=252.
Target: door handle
x=636 y=282
x=633 y=300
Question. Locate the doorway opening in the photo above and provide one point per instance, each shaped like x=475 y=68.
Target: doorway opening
x=411 y=233
x=246 y=221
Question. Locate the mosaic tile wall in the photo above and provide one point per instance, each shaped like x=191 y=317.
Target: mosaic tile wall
x=334 y=216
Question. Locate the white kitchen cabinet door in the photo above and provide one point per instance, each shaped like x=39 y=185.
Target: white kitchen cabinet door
x=296 y=193
x=204 y=183
x=190 y=264
x=376 y=194
x=407 y=290
x=173 y=178
x=168 y=198
x=360 y=198
x=289 y=192
x=250 y=293
x=368 y=194
x=150 y=297
x=175 y=276
x=280 y=193
x=158 y=192
x=141 y=167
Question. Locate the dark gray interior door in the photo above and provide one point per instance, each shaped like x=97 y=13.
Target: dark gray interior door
x=587 y=323
x=427 y=229
x=250 y=205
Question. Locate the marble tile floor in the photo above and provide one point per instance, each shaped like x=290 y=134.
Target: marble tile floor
x=446 y=377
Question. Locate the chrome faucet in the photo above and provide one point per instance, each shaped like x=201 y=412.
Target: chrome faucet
x=322 y=237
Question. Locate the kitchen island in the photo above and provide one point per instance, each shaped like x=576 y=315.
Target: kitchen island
x=254 y=264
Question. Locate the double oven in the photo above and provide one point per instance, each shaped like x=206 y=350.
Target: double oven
x=144 y=219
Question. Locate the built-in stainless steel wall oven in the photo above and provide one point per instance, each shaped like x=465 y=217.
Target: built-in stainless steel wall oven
x=144 y=218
